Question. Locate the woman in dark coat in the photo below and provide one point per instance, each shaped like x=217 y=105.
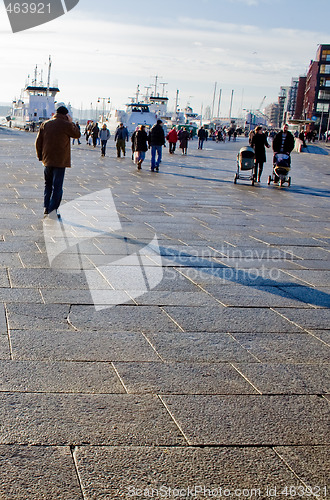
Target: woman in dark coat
x=259 y=144
x=140 y=145
x=183 y=137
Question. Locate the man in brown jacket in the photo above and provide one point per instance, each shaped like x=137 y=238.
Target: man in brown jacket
x=53 y=149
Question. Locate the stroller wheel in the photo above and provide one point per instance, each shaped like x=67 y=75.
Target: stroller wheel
x=269 y=180
x=235 y=179
x=252 y=182
x=281 y=182
x=289 y=181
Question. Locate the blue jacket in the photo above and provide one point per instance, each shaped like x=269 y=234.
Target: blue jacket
x=121 y=134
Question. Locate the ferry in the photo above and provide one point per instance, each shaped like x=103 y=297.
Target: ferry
x=36 y=103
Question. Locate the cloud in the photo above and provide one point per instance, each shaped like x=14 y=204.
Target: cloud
x=97 y=57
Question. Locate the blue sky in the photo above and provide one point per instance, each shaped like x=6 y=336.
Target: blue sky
x=107 y=47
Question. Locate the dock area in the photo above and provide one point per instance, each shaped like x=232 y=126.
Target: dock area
x=199 y=367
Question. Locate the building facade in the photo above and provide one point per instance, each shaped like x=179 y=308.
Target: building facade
x=317 y=92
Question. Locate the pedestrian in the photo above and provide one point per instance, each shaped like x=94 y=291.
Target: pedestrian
x=183 y=136
x=140 y=146
x=172 y=138
x=95 y=134
x=88 y=132
x=302 y=138
x=201 y=134
x=156 y=141
x=53 y=149
x=283 y=143
x=78 y=126
x=121 y=136
x=104 y=136
x=259 y=143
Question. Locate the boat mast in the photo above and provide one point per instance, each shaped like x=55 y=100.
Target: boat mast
x=176 y=106
x=48 y=79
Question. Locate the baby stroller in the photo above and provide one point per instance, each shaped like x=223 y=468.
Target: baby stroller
x=281 y=168
x=245 y=165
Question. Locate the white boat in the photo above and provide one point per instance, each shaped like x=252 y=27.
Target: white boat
x=137 y=113
x=36 y=103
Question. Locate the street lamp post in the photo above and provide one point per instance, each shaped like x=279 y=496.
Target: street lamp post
x=104 y=100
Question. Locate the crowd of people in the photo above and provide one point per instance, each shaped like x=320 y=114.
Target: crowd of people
x=155 y=139
x=53 y=146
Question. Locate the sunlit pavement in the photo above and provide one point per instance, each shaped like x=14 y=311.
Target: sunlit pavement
x=211 y=380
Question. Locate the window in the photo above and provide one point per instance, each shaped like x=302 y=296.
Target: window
x=324 y=82
x=322 y=107
x=325 y=55
x=325 y=69
x=324 y=94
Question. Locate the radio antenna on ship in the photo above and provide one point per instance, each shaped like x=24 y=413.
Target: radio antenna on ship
x=48 y=79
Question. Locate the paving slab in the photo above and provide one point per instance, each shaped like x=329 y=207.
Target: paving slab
x=182 y=378
x=307 y=319
x=38 y=472
x=121 y=318
x=199 y=346
x=71 y=419
x=121 y=472
x=37 y=316
x=310 y=464
x=314 y=296
x=282 y=347
x=59 y=377
x=103 y=346
x=251 y=420
x=254 y=296
x=287 y=378
x=230 y=319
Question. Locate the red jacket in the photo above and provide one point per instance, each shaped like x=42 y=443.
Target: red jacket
x=172 y=136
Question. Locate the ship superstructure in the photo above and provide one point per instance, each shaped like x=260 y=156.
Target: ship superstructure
x=36 y=103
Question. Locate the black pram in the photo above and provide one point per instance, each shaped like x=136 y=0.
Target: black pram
x=281 y=169
x=245 y=165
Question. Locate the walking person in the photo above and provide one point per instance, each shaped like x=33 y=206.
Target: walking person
x=201 y=134
x=156 y=141
x=121 y=136
x=53 y=149
x=73 y=140
x=183 y=136
x=172 y=138
x=95 y=134
x=259 y=143
x=104 y=136
x=283 y=143
x=140 y=145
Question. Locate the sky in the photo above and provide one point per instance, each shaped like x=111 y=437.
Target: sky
x=106 y=48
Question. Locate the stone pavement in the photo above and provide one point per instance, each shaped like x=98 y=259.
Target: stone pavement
x=213 y=382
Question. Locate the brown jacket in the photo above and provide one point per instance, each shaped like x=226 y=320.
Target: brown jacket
x=53 y=141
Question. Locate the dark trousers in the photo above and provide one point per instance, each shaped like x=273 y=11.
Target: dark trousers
x=258 y=168
x=171 y=147
x=54 y=177
x=120 y=147
x=103 y=147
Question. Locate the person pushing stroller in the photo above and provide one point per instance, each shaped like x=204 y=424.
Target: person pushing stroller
x=283 y=143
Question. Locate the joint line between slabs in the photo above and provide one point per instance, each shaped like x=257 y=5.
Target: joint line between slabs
x=174 y=419
x=75 y=465
x=293 y=472
x=245 y=378
x=172 y=319
x=118 y=375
